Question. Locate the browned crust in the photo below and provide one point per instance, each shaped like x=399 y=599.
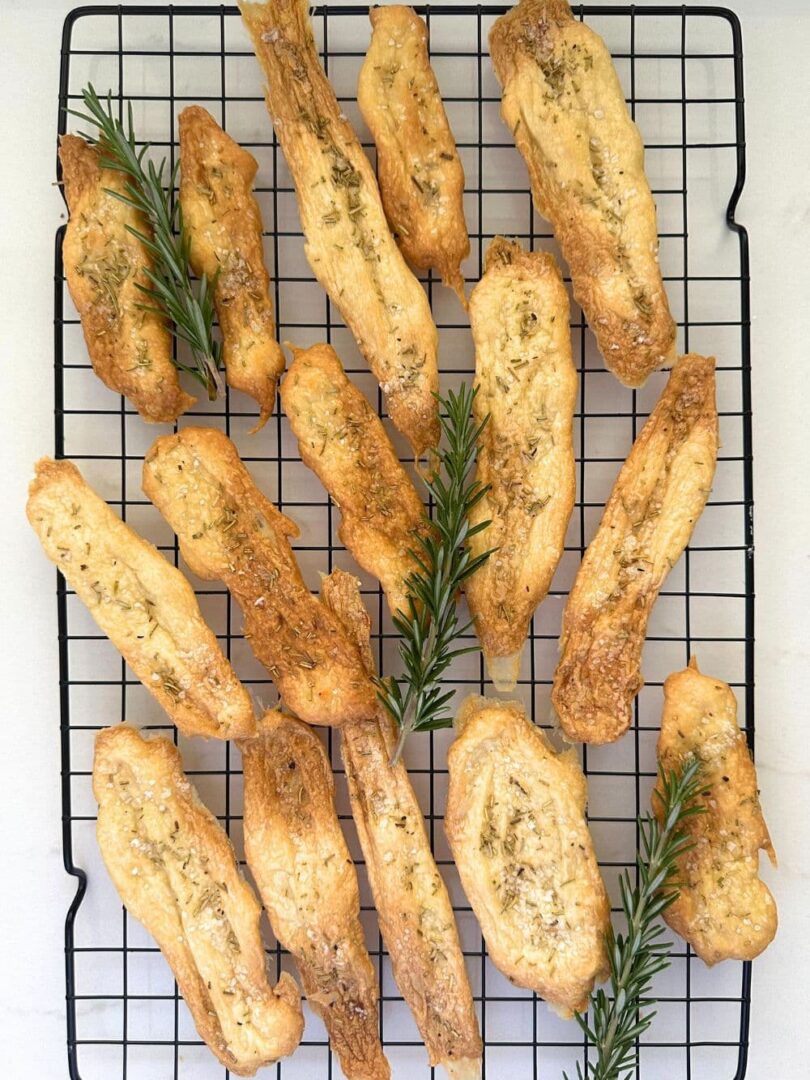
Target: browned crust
x=298 y=856
x=348 y=242
x=658 y=497
x=141 y=602
x=225 y=226
x=415 y=914
x=341 y=438
x=527 y=385
x=230 y=532
x=515 y=820
x=722 y=909
x=176 y=873
x=418 y=167
x=564 y=105
x=130 y=348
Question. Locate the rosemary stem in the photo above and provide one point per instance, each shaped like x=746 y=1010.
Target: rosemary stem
x=213 y=384
x=606 y=1068
x=413 y=697
x=403 y=734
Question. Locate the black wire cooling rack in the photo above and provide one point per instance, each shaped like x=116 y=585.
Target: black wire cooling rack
x=681 y=68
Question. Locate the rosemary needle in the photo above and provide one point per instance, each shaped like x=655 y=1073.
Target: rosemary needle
x=430 y=627
x=169 y=290
x=637 y=956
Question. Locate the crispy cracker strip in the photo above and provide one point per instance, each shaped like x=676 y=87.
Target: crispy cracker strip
x=141 y=602
x=723 y=909
x=648 y=520
x=415 y=913
x=527 y=385
x=224 y=222
x=130 y=348
x=348 y=242
x=176 y=873
x=564 y=105
x=515 y=820
x=230 y=532
x=299 y=859
x=418 y=166
x=341 y=438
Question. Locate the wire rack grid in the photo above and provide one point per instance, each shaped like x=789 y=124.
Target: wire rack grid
x=681 y=68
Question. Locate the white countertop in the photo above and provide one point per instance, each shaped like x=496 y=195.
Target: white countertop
x=776 y=209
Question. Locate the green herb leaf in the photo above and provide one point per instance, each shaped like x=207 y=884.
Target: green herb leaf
x=430 y=627
x=637 y=956
x=170 y=291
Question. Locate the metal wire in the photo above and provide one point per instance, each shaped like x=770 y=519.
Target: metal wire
x=124 y=1017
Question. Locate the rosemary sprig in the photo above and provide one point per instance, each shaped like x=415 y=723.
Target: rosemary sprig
x=635 y=958
x=430 y=627
x=169 y=290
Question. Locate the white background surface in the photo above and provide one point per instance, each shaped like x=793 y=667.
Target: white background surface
x=775 y=207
